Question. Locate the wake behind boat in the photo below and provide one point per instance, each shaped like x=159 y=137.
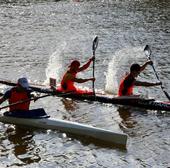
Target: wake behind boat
x=149 y=104
x=39 y=119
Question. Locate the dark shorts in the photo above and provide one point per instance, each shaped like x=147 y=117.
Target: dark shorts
x=35 y=113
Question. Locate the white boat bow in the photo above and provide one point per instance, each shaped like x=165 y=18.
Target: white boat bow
x=69 y=127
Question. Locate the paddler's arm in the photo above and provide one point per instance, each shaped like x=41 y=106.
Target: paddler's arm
x=85 y=66
x=145 y=65
x=79 y=80
x=147 y=84
x=2 y=100
x=5 y=96
x=33 y=95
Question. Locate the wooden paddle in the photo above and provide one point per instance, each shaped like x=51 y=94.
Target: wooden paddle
x=94 y=47
x=148 y=53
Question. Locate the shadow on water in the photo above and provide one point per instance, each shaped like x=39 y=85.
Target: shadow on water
x=126 y=116
x=86 y=140
x=69 y=104
x=24 y=145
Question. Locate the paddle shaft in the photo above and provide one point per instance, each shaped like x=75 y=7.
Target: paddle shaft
x=3 y=81
x=36 y=98
x=166 y=94
x=94 y=47
x=10 y=83
x=156 y=74
x=149 y=58
x=36 y=89
x=93 y=71
x=24 y=101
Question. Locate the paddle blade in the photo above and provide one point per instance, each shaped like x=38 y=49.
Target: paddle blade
x=95 y=43
x=147 y=51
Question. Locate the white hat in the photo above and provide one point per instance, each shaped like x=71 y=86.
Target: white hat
x=23 y=82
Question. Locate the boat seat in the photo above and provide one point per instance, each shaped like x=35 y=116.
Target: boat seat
x=34 y=113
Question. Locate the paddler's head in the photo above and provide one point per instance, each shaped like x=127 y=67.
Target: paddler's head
x=135 y=69
x=23 y=83
x=74 y=65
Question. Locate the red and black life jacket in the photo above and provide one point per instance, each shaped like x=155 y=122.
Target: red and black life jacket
x=69 y=84
x=18 y=96
x=126 y=90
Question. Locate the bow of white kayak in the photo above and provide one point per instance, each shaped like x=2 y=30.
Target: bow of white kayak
x=69 y=127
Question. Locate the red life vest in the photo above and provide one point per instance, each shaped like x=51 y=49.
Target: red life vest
x=18 y=96
x=122 y=87
x=68 y=85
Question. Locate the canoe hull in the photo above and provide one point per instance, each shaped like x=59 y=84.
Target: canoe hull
x=141 y=103
x=69 y=127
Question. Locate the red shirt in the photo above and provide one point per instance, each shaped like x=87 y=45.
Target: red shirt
x=68 y=85
x=14 y=96
x=126 y=86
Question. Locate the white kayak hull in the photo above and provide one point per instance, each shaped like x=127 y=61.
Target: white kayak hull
x=69 y=127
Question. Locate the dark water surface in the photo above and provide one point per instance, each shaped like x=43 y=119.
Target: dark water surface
x=38 y=39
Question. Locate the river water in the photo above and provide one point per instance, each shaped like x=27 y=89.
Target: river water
x=38 y=39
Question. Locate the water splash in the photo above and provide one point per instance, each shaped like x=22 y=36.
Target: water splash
x=119 y=66
x=55 y=64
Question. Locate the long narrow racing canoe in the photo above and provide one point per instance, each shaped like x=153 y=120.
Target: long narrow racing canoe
x=149 y=104
x=45 y=122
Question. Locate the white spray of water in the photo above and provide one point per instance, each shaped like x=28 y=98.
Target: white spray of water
x=55 y=64
x=120 y=65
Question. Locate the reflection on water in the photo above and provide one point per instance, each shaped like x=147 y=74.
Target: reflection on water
x=126 y=116
x=23 y=144
x=69 y=104
x=71 y=108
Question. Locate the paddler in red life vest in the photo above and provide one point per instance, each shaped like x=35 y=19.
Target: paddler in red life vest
x=18 y=93
x=67 y=83
x=128 y=83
